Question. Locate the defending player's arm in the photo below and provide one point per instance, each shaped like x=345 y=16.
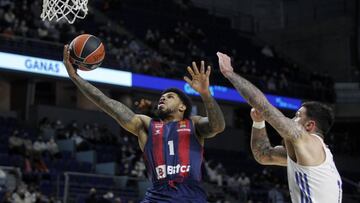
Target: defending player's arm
x=214 y=123
x=121 y=113
x=261 y=148
x=287 y=128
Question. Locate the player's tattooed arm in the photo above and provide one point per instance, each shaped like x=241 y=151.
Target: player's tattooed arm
x=121 y=113
x=262 y=150
x=287 y=128
x=214 y=123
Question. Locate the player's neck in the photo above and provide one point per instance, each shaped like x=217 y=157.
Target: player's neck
x=172 y=118
x=318 y=134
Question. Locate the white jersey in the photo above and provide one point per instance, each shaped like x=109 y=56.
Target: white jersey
x=315 y=184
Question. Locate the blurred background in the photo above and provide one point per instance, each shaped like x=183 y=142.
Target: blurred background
x=56 y=146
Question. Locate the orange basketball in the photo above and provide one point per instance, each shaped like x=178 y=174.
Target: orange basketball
x=86 y=52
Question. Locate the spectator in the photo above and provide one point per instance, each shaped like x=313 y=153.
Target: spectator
x=86 y=132
x=283 y=84
x=46 y=129
x=96 y=135
x=58 y=125
x=21 y=195
x=150 y=37
x=59 y=129
x=75 y=134
x=39 y=147
x=107 y=197
x=139 y=169
x=39 y=197
x=233 y=185
x=266 y=51
x=117 y=200
x=275 y=195
x=7 y=198
x=28 y=154
x=15 y=143
x=9 y=16
x=91 y=198
x=271 y=84
x=244 y=67
x=244 y=183
x=53 y=149
x=3 y=178
x=213 y=173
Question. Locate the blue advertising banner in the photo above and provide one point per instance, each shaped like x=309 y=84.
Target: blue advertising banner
x=56 y=68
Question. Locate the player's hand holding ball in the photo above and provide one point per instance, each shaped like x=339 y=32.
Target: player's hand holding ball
x=69 y=67
x=85 y=52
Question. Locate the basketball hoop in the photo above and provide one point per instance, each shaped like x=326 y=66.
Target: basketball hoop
x=69 y=10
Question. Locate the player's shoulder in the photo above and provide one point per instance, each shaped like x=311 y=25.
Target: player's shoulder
x=307 y=138
x=297 y=135
x=195 y=118
x=146 y=120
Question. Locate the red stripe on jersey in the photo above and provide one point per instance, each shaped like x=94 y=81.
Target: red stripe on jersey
x=157 y=143
x=184 y=131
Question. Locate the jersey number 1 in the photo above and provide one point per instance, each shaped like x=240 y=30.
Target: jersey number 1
x=171 y=147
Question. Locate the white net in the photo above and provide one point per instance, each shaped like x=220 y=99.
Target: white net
x=69 y=10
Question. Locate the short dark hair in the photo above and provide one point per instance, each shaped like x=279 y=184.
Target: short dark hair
x=184 y=98
x=321 y=113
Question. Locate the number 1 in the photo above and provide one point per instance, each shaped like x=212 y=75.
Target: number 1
x=171 y=147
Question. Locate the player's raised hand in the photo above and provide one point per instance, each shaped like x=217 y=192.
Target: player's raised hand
x=69 y=67
x=200 y=79
x=225 y=64
x=256 y=116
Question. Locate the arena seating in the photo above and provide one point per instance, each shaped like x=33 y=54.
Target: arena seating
x=177 y=43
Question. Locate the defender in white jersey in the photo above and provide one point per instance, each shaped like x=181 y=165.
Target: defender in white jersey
x=312 y=174
x=320 y=183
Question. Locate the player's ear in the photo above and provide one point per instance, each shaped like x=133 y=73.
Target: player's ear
x=182 y=107
x=310 y=125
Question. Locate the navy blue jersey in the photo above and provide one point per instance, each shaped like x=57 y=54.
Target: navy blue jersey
x=173 y=157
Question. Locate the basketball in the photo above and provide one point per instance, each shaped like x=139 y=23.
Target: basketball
x=86 y=52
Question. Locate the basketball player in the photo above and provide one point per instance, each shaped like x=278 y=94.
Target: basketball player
x=173 y=144
x=312 y=174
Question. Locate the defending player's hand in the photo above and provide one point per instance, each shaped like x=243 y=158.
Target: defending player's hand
x=69 y=67
x=200 y=79
x=225 y=64
x=256 y=116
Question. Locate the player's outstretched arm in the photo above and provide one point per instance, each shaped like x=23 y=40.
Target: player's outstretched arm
x=287 y=128
x=121 y=113
x=261 y=148
x=214 y=123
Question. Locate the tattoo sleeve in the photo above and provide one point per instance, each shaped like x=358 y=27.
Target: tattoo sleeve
x=262 y=150
x=285 y=126
x=115 y=109
x=215 y=118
